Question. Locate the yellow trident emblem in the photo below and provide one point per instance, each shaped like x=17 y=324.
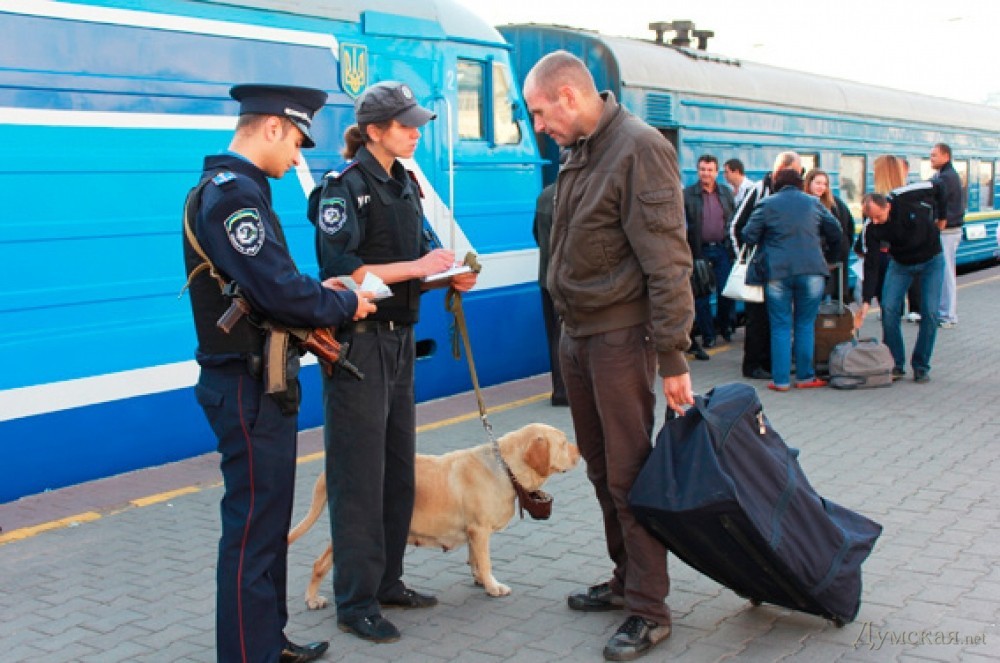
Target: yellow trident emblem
x=353 y=68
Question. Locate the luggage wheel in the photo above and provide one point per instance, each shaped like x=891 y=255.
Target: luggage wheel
x=838 y=622
x=755 y=602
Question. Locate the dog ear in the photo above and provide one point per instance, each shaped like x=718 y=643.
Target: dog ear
x=537 y=456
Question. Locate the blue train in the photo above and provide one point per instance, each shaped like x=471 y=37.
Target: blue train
x=705 y=103
x=107 y=106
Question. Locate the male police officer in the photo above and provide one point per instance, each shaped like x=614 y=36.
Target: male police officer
x=234 y=237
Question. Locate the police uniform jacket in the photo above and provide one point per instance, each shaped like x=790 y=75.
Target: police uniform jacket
x=242 y=236
x=366 y=216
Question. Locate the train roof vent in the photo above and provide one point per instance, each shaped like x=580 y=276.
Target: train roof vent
x=660 y=109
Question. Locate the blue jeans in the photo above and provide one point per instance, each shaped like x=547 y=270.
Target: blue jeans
x=793 y=301
x=722 y=264
x=897 y=280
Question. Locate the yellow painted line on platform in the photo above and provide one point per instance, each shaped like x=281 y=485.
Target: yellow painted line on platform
x=27 y=532
x=434 y=425
x=163 y=497
x=988 y=279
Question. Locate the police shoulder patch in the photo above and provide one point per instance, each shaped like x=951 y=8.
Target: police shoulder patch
x=223 y=177
x=246 y=231
x=332 y=215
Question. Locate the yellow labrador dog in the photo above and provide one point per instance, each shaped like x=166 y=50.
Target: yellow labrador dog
x=463 y=497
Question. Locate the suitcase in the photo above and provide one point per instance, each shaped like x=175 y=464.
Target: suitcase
x=834 y=325
x=858 y=364
x=724 y=494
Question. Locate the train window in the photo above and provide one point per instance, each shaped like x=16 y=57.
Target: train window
x=852 y=182
x=809 y=161
x=505 y=128
x=471 y=102
x=963 y=172
x=985 y=185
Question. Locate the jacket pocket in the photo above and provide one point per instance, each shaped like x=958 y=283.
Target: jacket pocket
x=660 y=210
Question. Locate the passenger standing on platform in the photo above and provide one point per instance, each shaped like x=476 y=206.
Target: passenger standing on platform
x=238 y=235
x=906 y=221
x=735 y=175
x=620 y=278
x=788 y=226
x=817 y=184
x=542 y=229
x=757 y=331
x=370 y=219
x=950 y=221
x=708 y=209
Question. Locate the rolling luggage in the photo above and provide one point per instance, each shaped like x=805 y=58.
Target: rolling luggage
x=834 y=325
x=722 y=491
x=857 y=364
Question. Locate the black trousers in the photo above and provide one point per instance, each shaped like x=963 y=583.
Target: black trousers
x=370 y=437
x=757 y=343
x=258 y=448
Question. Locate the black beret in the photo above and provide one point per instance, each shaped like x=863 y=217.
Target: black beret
x=298 y=104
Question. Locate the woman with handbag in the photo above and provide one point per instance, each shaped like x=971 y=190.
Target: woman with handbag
x=788 y=226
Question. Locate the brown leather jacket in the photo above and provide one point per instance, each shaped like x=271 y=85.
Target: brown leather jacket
x=619 y=248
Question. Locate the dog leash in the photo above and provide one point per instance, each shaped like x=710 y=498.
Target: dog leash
x=538 y=503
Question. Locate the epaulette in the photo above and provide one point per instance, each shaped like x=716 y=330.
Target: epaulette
x=223 y=178
x=338 y=172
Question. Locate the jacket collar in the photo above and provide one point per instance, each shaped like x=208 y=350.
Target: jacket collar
x=242 y=166
x=611 y=115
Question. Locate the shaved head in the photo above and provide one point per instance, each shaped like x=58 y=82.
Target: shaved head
x=562 y=98
x=557 y=69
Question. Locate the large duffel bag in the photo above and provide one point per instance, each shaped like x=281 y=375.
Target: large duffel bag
x=725 y=494
x=861 y=364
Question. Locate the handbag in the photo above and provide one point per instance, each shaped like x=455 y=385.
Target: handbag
x=736 y=285
x=702 y=278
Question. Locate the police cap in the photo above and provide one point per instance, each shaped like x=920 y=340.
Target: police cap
x=391 y=100
x=298 y=104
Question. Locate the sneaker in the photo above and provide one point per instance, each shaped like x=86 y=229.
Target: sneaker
x=947 y=324
x=898 y=373
x=634 y=638
x=774 y=387
x=598 y=598
x=921 y=377
x=815 y=383
x=912 y=316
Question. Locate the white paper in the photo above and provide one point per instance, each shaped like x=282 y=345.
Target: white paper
x=447 y=274
x=371 y=283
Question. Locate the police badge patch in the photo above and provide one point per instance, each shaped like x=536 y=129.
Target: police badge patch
x=246 y=231
x=332 y=215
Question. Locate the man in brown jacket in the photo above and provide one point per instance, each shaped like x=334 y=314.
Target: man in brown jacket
x=619 y=277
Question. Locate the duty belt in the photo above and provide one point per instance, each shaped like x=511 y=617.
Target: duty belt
x=370 y=326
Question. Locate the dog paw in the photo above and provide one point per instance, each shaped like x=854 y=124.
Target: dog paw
x=497 y=589
x=317 y=602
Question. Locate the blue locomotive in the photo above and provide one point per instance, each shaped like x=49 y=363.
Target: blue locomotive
x=106 y=108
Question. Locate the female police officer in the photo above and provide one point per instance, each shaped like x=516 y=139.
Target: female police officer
x=233 y=236
x=370 y=219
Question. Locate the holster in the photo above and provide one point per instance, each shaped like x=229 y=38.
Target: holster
x=281 y=370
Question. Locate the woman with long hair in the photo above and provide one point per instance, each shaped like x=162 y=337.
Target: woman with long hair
x=817 y=183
